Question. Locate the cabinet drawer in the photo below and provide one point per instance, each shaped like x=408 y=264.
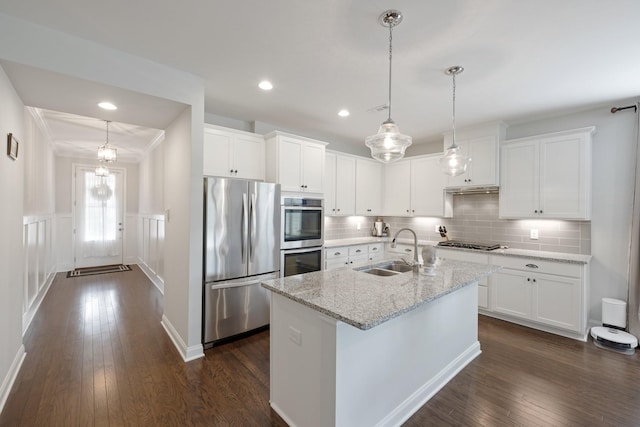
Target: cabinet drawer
x=376 y=248
x=538 y=266
x=358 y=250
x=330 y=264
x=480 y=258
x=358 y=260
x=330 y=253
x=401 y=249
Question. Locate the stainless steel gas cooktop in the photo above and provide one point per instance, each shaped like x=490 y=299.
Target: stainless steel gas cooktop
x=469 y=245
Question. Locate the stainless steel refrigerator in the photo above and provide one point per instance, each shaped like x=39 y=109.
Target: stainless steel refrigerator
x=241 y=248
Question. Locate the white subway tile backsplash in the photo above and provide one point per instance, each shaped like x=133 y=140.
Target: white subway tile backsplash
x=475 y=218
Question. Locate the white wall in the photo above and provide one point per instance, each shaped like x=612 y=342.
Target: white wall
x=183 y=228
x=11 y=256
x=612 y=193
x=38 y=217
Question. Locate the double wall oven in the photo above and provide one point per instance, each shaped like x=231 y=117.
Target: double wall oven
x=301 y=235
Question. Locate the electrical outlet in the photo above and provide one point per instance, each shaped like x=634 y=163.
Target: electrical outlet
x=295 y=335
x=358 y=226
x=437 y=228
x=534 y=234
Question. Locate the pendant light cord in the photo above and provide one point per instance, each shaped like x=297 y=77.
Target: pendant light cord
x=390 y=58
x=453 y=119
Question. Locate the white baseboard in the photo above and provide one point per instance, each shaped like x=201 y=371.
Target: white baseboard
x=157 y=281
x=10 y=378
x=421 y=396
x=30 y=314
x=187 y=353
x=534 y=325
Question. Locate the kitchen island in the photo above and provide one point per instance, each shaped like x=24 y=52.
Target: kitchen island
x=348 y=348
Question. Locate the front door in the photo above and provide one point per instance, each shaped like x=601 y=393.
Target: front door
x=98 y=217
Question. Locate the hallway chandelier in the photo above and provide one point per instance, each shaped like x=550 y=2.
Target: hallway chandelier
x=106 y=152
x=102 y=170
x=454 y=162
x=388 y=145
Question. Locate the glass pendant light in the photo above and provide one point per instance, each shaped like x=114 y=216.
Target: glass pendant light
x=454 y=162
x=388 y=145
x=107 y=153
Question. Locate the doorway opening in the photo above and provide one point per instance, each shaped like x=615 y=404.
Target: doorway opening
x=98 y=217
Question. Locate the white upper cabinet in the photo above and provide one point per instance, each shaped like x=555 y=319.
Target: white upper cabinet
x=482 y=145
x=340 y=185
x=368 y=187
x=415 y=187
x=547 y=176
x=397 y=189
x=427 y=188
x=295 y=162
x=233 y=153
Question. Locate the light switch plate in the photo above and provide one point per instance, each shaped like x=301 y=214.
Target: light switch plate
x=534 y=234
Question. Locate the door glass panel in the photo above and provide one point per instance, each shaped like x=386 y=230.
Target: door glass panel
x=300 y=263
x=302 y=224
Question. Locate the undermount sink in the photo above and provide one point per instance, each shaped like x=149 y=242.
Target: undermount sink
x=388 y=268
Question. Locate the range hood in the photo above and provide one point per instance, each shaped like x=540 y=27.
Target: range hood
x=489 y=189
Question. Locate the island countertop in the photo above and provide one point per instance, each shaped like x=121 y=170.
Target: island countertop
x=365 y=300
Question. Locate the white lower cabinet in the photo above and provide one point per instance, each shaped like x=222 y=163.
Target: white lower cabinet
x=547 y=293
x=480 y=258
x=353 y=255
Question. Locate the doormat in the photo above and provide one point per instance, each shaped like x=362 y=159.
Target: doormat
x=88 y=271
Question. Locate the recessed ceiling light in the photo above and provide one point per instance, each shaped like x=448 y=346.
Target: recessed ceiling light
x=343 y=113
x=107 y=106
x=265 y=85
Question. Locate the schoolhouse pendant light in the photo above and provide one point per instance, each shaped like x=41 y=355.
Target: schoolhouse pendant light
x=454 y=162
x=388 y=145
x=107 y=153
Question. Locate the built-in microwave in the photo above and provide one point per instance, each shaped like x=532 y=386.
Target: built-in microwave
x=302 y=223
x=300 y=261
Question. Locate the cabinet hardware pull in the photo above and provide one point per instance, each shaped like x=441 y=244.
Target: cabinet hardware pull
x=337 y=253
x=374 y=249
x=358 y=251
x=528 y=279
x=531 y=266
x=534 y=280
x=407 y=250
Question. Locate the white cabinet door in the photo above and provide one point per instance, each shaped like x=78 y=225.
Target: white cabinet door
x=313 y=168
x=427 y=188
x=484 y=161
x=290 y=165
x=232 y=153
x=511 y=293
x=564 y=164
x=345 y=185
x=368 y=187
x=248 y=157
x=216 y=154
x=397 y=189
x=557 y=301
x=330 y=184
x=547 y=176
x=520 y=178
x=483 y=169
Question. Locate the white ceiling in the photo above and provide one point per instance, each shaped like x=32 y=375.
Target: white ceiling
x=522 y=59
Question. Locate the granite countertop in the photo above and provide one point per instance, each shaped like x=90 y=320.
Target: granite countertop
x=526 y=253
x=364 y=300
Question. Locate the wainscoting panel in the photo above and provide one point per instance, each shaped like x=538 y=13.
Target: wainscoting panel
x=151 y=259
x=39 y=264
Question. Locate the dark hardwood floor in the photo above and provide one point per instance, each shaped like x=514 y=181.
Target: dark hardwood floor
x=97 y=355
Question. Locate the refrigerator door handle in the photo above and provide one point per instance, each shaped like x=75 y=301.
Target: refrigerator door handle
x=245 y=224
x=252 y=214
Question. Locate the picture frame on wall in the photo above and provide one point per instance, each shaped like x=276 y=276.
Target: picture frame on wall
x=12 y=146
